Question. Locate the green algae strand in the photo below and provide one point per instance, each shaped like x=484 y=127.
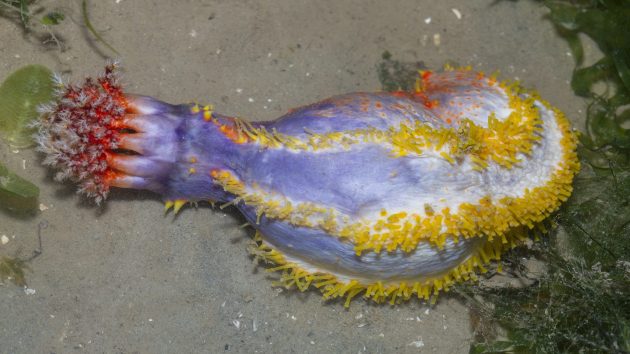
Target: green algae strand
x=17 y=194
x=20 y=94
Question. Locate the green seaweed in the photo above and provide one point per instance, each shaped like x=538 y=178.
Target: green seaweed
x=597 y=219
x=20 y=94
x=397 y=75
x=19 y=7
x=22 y=9
x=607 y=23
x=575 y=308
x=90 y=27
x=582 y=304
x=52 y=18
x=16 y=193
x=13 y=269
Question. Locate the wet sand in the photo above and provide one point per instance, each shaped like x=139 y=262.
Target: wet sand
x=126 y=279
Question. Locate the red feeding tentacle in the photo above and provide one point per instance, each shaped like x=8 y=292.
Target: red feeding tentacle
x=82 y=129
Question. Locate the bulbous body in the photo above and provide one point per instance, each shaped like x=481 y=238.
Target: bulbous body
x=384 y=195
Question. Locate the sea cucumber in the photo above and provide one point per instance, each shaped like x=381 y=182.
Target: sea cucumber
x=382 y=195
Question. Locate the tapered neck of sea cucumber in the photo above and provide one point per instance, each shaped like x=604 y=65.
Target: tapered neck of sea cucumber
x=177 y=150
x=100 y=137
x=206 y=144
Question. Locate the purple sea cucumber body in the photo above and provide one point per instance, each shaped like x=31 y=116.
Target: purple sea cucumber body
x=381 y=194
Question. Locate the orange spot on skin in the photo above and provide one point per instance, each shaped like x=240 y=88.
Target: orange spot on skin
x=400 y=93
x=431 y=104
x=229 y=131
x=233 y=134
x=378 y=105
x=422 y=97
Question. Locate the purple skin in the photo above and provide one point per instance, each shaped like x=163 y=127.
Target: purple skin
x=349 y=180
x=375 y=192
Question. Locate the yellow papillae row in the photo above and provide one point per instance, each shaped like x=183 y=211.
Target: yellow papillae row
x=389 y=232
x=501 y=141
x=292 y=275
x=207 y=111
x=486 y=218
x=276 y=206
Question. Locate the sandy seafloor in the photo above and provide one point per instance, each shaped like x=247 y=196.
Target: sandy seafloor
x=126 y=279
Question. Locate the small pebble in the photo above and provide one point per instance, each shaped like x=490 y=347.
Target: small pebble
x=457 y=13
x=436 y=39
x=417 y=344
x=4 y=239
